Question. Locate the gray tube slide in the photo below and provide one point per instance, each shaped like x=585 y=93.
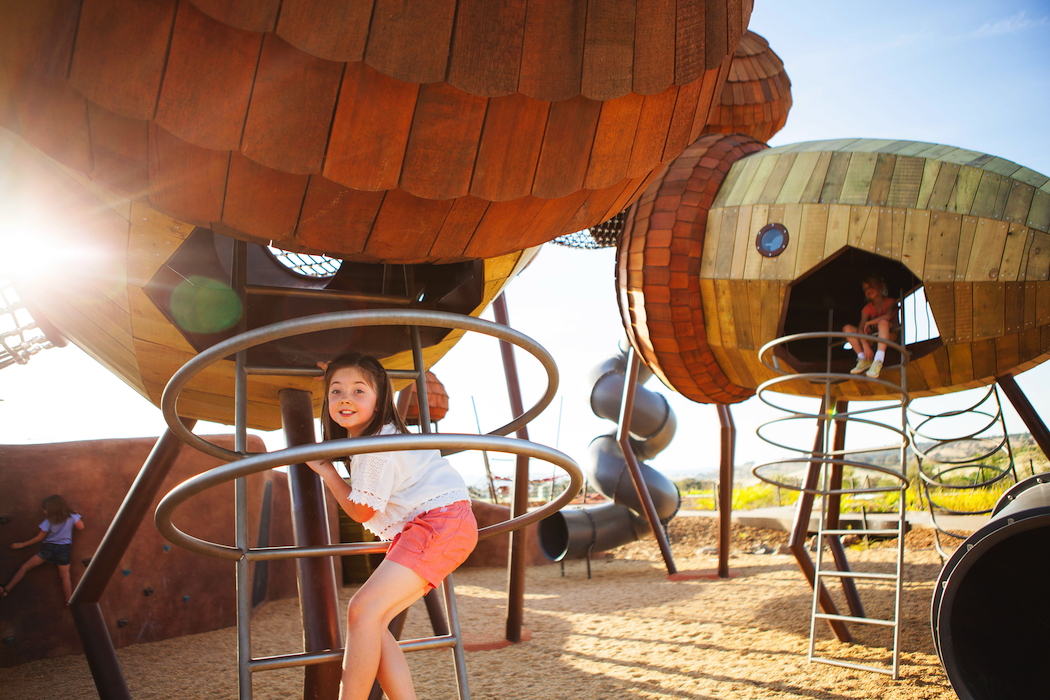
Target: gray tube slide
x=580 y=531
x=989 y=618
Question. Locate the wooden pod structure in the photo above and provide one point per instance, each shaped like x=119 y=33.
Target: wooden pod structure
x=658 y=272
x=119 y=277
x=757 y=95
x=437 y=401
x=970 y=230
x=402 y=132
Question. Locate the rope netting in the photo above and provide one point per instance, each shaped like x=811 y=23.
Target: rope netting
x=20 y=338
x=604 y=235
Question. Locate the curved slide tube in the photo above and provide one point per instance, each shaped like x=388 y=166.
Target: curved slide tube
x=580 y=531
x=988 y=615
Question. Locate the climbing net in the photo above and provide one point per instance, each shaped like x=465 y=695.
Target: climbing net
x=604 y=235
x=306 y=264
x=20 y=338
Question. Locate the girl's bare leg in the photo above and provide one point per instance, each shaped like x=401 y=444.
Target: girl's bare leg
x=865 y=346
x=33 y=562
x=67 y=585
x=390 y=589
x=884 y=333
x=394 y=675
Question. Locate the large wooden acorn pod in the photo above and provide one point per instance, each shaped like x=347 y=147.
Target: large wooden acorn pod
x=968 y=228
x=658 y=272
x=450 y=135
x=757 y=95
x=386 y=131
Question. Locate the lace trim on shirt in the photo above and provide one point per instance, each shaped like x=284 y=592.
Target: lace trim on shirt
x=386 y=527
x=372 y=479
x=367 y=499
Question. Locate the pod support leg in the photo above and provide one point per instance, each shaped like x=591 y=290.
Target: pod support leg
x=84 y=603
x=800 y=528
x=318 y=594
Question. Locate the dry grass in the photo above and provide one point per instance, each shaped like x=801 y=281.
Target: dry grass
x=627 y=632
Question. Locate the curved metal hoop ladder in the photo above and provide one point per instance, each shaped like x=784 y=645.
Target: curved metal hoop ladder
x=825 y=476
x=242 y=464
x=942 y=474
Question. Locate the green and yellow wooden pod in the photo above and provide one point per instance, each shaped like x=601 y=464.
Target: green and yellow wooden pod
x=967 y=229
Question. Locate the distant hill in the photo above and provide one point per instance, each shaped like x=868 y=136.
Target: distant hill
x=1027 y=457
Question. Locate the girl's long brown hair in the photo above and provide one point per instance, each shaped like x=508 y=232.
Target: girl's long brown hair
x=57 y=510
x=379 y=380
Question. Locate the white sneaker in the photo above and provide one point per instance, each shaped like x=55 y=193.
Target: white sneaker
x=862 y=364
x=875 y=369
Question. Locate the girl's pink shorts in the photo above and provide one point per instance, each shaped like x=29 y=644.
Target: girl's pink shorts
x=435 y=543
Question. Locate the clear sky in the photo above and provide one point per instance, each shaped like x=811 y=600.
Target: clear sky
x=974 y=74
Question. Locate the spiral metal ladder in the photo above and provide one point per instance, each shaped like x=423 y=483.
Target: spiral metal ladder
x=824 y=478
x=940 y=474
x=241 y=464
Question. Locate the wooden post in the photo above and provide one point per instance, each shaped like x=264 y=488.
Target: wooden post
x=800 y=528
x=318 y=594
x=725 y=494
x=520 y=503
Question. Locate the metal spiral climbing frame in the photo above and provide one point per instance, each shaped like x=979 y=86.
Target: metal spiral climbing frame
x=939 y=473
x=241 y=464
x=824 y=476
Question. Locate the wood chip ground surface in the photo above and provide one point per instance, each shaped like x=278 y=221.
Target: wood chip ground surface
x=625 y=633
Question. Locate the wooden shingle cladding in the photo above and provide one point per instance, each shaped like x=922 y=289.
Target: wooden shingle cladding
x=330 y=128
x=756 y=97
x=663 y=302
x=103 y=250
x=973 y=228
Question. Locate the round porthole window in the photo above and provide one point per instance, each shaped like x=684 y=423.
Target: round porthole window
x=772 y=239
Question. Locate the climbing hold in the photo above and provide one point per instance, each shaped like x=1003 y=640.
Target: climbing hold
x=147 y=591
x=126 y=572
x=9 y=641
x=85 y=562
x=167 y=548
x=4 y=520
x=185 y=599
x=121 y=622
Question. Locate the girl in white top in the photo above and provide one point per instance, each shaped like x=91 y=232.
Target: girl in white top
x=414 y=497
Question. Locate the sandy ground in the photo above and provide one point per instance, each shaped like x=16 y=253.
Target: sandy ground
x=626 y=632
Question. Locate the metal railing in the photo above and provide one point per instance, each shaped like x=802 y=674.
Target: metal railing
x=242 y=464
x=824 y=478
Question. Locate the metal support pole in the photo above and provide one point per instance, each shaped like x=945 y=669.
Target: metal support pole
x=838 y=552
x=432 y=599
x=800 y=528
x=318 y=594
x=239 y=280
x=87 y=615
x=623 y=436
x=1028 y=414
x=520 y=501
x=725 y=495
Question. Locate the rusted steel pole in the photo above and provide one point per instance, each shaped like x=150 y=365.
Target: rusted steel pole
x=725 y=492
x=1028 y=414
x=433 y=598
x=838 y=552
x=800 y=528
x=87 y=615
x=318 y=593
x=520 y=503
x=623 y=436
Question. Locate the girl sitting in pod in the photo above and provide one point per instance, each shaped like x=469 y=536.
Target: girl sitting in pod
x=57 y=533
x=413 y=497
x=879 y=316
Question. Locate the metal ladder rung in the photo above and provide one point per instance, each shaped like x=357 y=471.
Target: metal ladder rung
x=857 y=574
x=270 y=663
x=884 y=532
x=861 y=620
x=856 y=667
